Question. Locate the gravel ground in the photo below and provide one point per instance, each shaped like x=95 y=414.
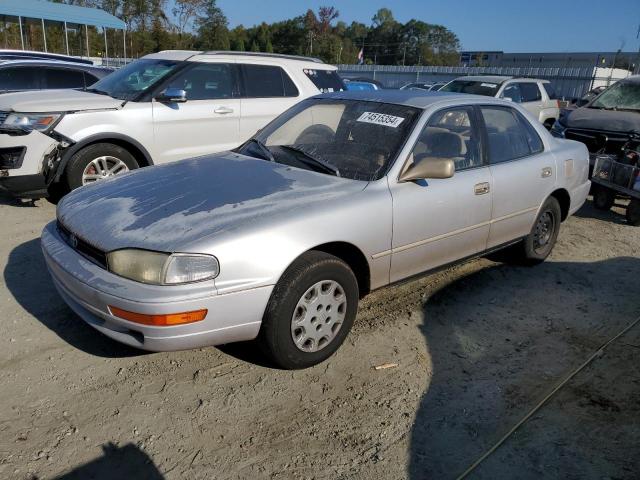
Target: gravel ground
x=476 y=347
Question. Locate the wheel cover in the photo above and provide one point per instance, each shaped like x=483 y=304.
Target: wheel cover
x=103 y=167
x=318 y=316
x=543 y=231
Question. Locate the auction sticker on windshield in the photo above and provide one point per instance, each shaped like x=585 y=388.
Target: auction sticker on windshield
x=380 y=119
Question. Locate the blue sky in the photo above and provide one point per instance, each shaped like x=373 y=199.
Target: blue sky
x=511 y=26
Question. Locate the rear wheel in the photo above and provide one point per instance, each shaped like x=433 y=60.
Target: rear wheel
x=603 y=198
x=633 y=212
x=98 y=162
x=311 y=311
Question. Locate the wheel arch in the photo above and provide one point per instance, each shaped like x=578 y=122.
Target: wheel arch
x=134 y=147
x=564 y=199
x=353 y=257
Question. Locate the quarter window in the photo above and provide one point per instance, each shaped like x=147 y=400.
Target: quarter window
x=530 y=92
x=264 y=81
x=206 y=81
x=450 y=134
x=510 y=136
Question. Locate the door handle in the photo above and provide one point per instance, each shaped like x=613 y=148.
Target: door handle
x=546 y=172
x=481 y=188
x=223 y=110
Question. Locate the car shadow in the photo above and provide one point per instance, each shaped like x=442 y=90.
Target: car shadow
x=500 y=339
x=6 y=199
x=127 y=461
x=28 y=280
x=589 y=211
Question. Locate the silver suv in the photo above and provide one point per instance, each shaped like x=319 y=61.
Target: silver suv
x=537 y=96
x=164 y=107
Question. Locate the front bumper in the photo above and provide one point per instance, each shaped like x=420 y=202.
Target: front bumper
x=28 y=179
x=89 y=290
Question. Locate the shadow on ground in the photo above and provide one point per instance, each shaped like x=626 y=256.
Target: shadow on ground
x=502 y=338
x=615 y=215
x=127 y=462
x=28 y=280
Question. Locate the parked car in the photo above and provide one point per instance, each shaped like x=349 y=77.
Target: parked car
x=605 y=123
x=164 y=107
x=417 y=86
x=360 y=86
x=31 y=55
x=590 y=95
x=340 y=195
x=378 y=84
x=537 y=96
x=26 y=75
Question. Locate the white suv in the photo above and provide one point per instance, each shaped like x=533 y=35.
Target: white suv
x=535 y=95
x=166 y=106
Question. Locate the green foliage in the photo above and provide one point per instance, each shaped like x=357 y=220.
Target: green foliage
x=201 y=24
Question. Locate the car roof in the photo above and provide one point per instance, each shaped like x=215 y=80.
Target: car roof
x=31 y=54
x=410 y=98
x=53 y=63
x=194 y=54
x=486 y=78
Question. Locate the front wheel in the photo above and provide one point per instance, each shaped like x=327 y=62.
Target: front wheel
x=98 y=162
x=633 y=212
x=311 y=311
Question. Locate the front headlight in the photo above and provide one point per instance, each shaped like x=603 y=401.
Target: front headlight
x=162 y=268
x=36 y=121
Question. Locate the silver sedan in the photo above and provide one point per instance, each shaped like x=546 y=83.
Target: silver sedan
x=340 y=195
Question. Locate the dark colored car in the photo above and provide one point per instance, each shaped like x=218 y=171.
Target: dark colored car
x=21 y=75
x=604 y=124
x=30 y=55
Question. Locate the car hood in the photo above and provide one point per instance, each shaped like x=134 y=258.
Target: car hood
x=168 y=207
x=56 y=101
x=608 y=120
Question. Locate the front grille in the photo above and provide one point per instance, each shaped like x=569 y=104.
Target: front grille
x=596 y=140
x=3 y=116
x=84 y=248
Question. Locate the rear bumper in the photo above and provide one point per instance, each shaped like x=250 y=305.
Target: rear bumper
x=89 y=290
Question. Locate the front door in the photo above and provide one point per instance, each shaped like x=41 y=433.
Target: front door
x=208 y=122
x=438 y=221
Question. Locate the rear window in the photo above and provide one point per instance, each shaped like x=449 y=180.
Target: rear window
x=551 y=92
x=325 y=80
x=488 y=89
x=530 y=92
x=264 y=81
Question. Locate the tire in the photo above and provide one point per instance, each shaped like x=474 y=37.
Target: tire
x=291 y=334
x=548 y=123
x=633 y=212
x=113 y=155
x=603 y=198
x=536 y=246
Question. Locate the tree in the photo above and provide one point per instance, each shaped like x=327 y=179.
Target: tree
x=212 y=28
x=326 y=15
x=186 y=13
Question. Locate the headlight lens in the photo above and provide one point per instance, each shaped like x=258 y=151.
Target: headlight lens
x=37 y=121
x=162 y=268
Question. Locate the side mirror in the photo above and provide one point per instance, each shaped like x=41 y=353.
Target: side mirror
x=429 y=167
x=172 y=95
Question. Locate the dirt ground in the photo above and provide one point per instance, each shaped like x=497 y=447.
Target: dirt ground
x=477 y=347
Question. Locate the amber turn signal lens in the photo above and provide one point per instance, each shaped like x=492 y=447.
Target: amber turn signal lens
x=163 y=320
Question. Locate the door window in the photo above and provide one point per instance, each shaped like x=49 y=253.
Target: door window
x=510 y=136
x=529 y=92
x=19 y=78
x=513 y=92
x=207 y=81
x=450 y=134
x=63 y=78
x=264 y=81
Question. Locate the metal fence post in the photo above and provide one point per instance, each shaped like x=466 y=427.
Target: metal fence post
x=44 y=35
x=21 y=35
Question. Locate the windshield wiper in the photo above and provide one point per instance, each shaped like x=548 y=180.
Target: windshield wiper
x=263 y=148
x=310 y=159
x=99 y=92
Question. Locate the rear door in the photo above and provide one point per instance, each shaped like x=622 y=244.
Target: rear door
x=208 y=122
x=522 y=173
x=267 y=91
x=531 y=98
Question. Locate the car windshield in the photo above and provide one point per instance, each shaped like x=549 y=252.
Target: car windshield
x=128 y=82
x=474 y=87
x=347 y=138
x=620 y=96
